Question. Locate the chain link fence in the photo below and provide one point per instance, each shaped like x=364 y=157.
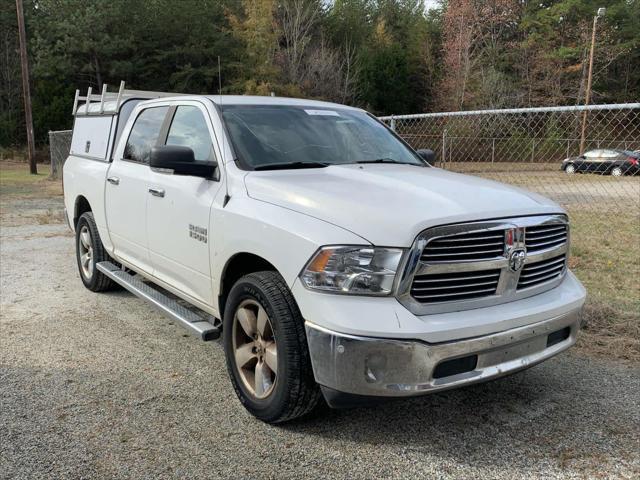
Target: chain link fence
x=539 y=149
x=528 y=147
x=59 y=147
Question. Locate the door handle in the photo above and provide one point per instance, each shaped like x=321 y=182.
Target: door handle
x=113 y=180
x=156 y=192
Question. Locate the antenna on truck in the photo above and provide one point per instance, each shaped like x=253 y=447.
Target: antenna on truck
x=224 y=149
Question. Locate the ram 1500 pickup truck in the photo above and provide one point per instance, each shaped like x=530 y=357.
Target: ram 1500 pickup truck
x=331 y=257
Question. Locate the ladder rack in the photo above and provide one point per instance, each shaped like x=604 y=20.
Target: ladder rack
x=108 y=103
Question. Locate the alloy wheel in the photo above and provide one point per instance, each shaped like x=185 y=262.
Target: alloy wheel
x=86 y=252
x=254 y=348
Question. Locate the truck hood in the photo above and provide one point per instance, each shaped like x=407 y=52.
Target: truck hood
x=388 y=205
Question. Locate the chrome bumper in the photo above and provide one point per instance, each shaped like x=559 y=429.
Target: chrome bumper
x=400 y=368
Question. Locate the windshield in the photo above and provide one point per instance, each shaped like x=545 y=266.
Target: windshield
x=279 y=135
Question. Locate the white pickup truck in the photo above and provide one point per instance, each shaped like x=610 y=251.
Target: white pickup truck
x=333 y=259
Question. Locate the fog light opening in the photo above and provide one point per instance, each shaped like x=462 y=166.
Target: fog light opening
x=558 y=336
x=456 y=366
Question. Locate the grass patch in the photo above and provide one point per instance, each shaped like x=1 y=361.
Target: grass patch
x=15 y=179
x=27 y=199
x=49 y=217
x=605 y=256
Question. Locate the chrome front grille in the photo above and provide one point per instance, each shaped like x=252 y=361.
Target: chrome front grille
x=445 y=287
x=465 y=246
x=463 y=266
x=542 y=237
x=540 y=272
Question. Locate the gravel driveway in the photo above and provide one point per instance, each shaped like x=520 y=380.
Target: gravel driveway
x=103 y=386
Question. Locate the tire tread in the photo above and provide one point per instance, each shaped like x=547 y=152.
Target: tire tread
x=99 y=282
x=303 y=393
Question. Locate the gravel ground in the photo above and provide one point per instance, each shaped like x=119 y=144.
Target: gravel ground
x=103 y=386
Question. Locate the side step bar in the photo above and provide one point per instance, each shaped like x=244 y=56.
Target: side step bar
x=196 y=324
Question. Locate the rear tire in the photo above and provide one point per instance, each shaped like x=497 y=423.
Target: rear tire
x=266 y=349
x=89 y=252
x=616 y=172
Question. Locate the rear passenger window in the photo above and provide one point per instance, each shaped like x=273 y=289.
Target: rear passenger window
x=189 y=129
x=144 y=134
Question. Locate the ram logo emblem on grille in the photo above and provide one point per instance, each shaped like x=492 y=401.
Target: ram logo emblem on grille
x=517 y=259
x=514 y=238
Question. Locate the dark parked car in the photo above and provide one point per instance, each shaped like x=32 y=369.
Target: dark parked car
x=614 y=162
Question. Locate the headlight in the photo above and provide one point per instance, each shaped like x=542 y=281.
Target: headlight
x=356 y=270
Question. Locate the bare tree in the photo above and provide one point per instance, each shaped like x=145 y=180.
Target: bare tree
x=350 y=71
x=330 y=73
x=297 y=18
x=9 y=85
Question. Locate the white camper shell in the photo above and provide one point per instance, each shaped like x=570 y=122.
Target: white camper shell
x=99 y=121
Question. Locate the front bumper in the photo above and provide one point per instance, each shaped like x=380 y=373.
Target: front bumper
x=385 y=367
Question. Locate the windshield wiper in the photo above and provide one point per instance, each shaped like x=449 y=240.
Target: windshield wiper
x=291 y=165
x=388 y=160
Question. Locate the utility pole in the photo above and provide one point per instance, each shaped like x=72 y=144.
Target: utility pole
x=24 y=61
x=587 y=94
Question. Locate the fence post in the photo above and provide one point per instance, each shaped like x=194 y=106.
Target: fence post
x=444 y=147
x=52 y=161
x=568 y=142
x=533 y=150
x=493 y=149
x=393 y=123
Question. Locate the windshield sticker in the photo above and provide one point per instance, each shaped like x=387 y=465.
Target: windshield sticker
x=329 y=113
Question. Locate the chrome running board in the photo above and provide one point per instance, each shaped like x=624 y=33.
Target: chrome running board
x=196 y=324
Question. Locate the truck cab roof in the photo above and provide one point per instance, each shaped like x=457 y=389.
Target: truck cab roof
x=254 y=100
x=111 y=103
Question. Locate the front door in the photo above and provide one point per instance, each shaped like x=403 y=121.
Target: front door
x=126 y=190
x=179 y=207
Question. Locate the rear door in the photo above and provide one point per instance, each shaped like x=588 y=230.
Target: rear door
x=179 y=207
x=126 y=189
x=609 y=159
x=591 y=160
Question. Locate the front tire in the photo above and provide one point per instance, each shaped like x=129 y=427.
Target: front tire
x=570 y=169
x=266 y=349
x=89 y=252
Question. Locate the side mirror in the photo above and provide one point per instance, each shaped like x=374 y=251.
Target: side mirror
x=181 y=160
x=427 y=155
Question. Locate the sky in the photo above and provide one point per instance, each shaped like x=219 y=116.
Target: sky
x=429 y=4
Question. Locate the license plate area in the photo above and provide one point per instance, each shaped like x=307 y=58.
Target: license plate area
x=512 y=351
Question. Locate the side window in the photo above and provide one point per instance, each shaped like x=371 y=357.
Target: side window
x=189 y=129
x=144 y=134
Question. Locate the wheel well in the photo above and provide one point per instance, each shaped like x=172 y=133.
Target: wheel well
x=82 y=206
x=238 y=266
